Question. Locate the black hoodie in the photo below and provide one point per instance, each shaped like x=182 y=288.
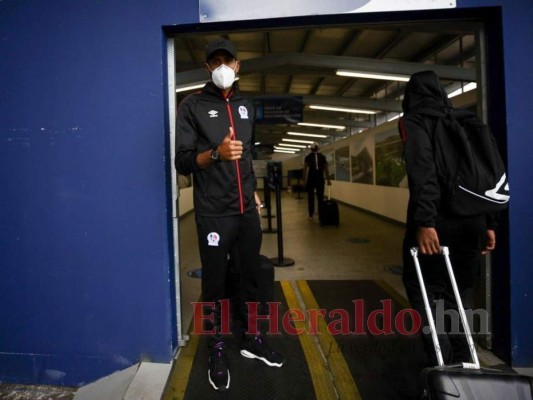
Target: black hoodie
x=203 y=119
x=423 y=91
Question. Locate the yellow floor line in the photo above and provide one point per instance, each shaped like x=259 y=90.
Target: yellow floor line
x=179 y=376
x=342 y=377
x=324 y=388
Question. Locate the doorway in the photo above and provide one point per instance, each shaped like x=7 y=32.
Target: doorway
x=302 y=57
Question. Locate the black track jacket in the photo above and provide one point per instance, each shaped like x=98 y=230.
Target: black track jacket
x=203 y=119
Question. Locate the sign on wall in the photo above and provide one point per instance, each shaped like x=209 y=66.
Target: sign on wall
x=342 y=164
x=279 y=110
x=362 y=159
x=390 y=168
x=216 y=10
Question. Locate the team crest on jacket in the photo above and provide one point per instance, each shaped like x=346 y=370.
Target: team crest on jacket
x=213 y=113
x=213 y=238
x=244 y=112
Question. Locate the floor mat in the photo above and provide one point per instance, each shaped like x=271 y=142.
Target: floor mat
x=370 y=328
x=383 y=358
x=251 y=378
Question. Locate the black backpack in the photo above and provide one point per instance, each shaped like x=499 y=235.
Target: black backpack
x=469 y=166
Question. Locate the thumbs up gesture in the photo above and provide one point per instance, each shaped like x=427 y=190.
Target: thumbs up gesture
x=230 y=149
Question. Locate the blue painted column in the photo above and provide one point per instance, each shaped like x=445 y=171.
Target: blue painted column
x=85 y=249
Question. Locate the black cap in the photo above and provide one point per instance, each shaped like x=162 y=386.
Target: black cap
x=220 y=44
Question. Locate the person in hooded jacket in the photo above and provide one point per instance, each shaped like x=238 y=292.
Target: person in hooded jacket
x=430 y=226
x=214 y=129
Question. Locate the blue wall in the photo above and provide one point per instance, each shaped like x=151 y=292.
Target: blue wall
x=85 y=284
x=85 y=248
x=518 y=58
x=514 y=278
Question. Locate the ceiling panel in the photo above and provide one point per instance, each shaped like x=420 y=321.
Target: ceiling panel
x=303 y=62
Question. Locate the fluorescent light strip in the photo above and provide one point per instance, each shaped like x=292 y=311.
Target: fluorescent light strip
x=193 y=85
x=299 y=146
x=286 y=148
x=284 y=151
x=342 y=109
x=339 y=127
x=394 y=117
x=373 y=75
x=297 y=141
x=307 y=134
x=466 y=88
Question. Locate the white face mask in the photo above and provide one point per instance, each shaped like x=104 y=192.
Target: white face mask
x=223 y=76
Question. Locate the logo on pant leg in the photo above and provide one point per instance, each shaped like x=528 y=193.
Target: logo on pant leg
x=212 y=239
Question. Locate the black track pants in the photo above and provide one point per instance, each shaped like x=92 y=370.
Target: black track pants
x=311 y=186
x=217 y=238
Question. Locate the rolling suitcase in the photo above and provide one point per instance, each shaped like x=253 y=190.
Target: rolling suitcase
x=466 y=381
x=328 y=211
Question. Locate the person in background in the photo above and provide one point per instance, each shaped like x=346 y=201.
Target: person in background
x=214 y=129
x=316 y=173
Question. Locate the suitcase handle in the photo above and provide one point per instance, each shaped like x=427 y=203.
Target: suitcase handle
x=446 y=253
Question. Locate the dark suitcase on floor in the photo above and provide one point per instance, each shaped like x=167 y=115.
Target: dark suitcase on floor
x=328 y=211
x=474 y=384
x=467 y=381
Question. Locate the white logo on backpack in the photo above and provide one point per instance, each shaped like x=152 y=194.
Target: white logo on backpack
x=499 y=197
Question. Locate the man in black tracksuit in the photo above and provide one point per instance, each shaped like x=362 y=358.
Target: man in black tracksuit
x=430 y=225
x=214 y=129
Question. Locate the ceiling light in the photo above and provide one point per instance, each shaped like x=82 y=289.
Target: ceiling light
x=284 y=151
x=193 y=85
x=339 y=127
x=287 y=148
x=373 y=75
x=307 y=134
x=342 y=109
x=466 y=88
x=394 y=117
x=297 y=141
x=190 y=86
x=300 y=146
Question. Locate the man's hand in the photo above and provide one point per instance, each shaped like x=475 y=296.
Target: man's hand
x=428 y=240
x=258 y=202
x=230 y=149
x=491 y=241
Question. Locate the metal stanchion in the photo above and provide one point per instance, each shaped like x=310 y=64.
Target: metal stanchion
x=268 y=205
x=280 y=261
